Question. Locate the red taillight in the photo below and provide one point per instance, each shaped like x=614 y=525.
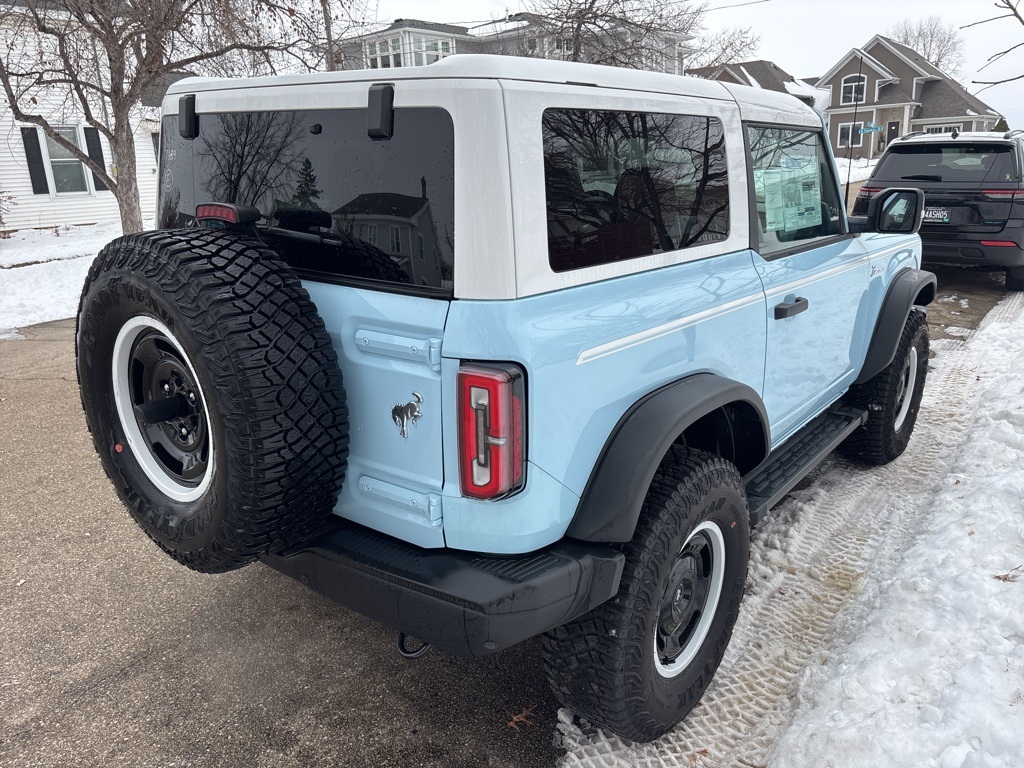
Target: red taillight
x=867 y=192
x=492 y=437
x=999 y=243
x=228 y=213
x=216 y=211
x=1008 y=195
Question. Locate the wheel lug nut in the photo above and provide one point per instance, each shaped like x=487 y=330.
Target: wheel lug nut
x=184 y=432
x=167 y=388
x=192 y=398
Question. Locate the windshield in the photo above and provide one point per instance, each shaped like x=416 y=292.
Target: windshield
x=956 y=162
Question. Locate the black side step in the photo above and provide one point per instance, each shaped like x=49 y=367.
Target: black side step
x=793 y=460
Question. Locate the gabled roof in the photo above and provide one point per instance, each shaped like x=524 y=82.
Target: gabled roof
x=383 y=204
x=909 y=55
x=759 y=73
x=868 y=60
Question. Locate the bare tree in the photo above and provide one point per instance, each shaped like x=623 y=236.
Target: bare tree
x=1012 y=8
x=941 y=44
x=71 y=60
x=640 y=34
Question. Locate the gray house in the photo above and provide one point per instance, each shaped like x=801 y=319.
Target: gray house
x=888 y=85
x=762 y=73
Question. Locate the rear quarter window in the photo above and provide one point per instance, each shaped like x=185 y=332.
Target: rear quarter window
x=336 y=204
x=953 y=162
x=621 y=185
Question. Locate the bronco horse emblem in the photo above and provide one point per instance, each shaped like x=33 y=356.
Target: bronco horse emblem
x=402 y=415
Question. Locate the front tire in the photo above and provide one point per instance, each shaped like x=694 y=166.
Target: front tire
x=639 y=663
x=892 y=398
x=1015 y=279
x=213 y=395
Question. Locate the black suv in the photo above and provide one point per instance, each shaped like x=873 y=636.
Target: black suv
x=974 y=196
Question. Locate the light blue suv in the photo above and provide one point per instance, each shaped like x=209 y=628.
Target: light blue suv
x=501 y=348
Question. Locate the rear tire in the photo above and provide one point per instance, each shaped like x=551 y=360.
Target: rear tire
x=1015 y=279
x=639 y=663
x=213 y=395
x=892 y=398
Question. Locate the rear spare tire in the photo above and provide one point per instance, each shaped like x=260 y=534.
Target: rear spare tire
x=212 y=393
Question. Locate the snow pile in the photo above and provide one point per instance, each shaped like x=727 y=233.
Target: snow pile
x=933 y=675
x=42 y=271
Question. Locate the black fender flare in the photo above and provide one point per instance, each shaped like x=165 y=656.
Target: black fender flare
x=610 y=505
x=909 y=288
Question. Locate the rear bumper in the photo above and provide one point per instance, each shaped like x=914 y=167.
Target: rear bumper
x=465 y=603
x=967 y=249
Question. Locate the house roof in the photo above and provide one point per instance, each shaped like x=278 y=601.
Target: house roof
x=866 y=57
x=426 y=26
x=383 y=204
x=767 y=75
x=945 y=98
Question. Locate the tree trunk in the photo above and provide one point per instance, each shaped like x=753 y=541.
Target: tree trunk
x=127 y=190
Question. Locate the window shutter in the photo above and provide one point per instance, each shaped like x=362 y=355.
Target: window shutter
x=95 y=152
x=34 y=157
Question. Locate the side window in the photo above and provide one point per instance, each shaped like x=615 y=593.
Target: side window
x=620 y=185
x=795 y=190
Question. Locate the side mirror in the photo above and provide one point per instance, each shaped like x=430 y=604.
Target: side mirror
x=892 y=211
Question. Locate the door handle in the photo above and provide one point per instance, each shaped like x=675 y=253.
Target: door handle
x=784 y=310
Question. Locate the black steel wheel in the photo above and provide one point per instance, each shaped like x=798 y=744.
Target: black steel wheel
x=639 y=663
x=892 y=398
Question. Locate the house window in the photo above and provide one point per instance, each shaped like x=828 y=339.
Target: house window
x=395 y=236
x=943 y=128
x=853 y=89
x=68 y=171
x=371 y=234
x=426 y=50
x=850 y=135
x=384 y=54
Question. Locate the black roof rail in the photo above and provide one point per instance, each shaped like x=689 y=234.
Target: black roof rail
x=1011 y=134
x=912 y=134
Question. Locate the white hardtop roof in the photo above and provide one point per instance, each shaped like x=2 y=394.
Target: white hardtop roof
x=479 y=66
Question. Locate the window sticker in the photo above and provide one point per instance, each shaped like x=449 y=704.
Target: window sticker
x=792 y=195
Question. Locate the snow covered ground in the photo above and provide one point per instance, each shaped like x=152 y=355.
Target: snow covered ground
x=42 y=271
x=856 y=170
x=884 y=617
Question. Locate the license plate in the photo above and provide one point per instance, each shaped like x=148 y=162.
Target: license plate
x=940 y=215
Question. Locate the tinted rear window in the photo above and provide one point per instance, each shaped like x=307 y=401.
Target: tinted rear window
x=621 y=185
x=958 y=162
x=336 y=204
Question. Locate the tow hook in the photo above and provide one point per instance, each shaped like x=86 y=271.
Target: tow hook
x=405 y=652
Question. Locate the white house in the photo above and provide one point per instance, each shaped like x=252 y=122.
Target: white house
x=52 y=188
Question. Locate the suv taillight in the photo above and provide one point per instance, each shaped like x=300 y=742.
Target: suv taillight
x=492 y=438
x=1008 y=195
x=866 y=193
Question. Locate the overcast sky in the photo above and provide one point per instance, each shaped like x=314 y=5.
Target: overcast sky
x=806 y=37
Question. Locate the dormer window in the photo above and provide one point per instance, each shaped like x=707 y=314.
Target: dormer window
x=854 y=87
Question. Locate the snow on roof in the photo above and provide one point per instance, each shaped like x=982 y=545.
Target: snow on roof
x=750 y=78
